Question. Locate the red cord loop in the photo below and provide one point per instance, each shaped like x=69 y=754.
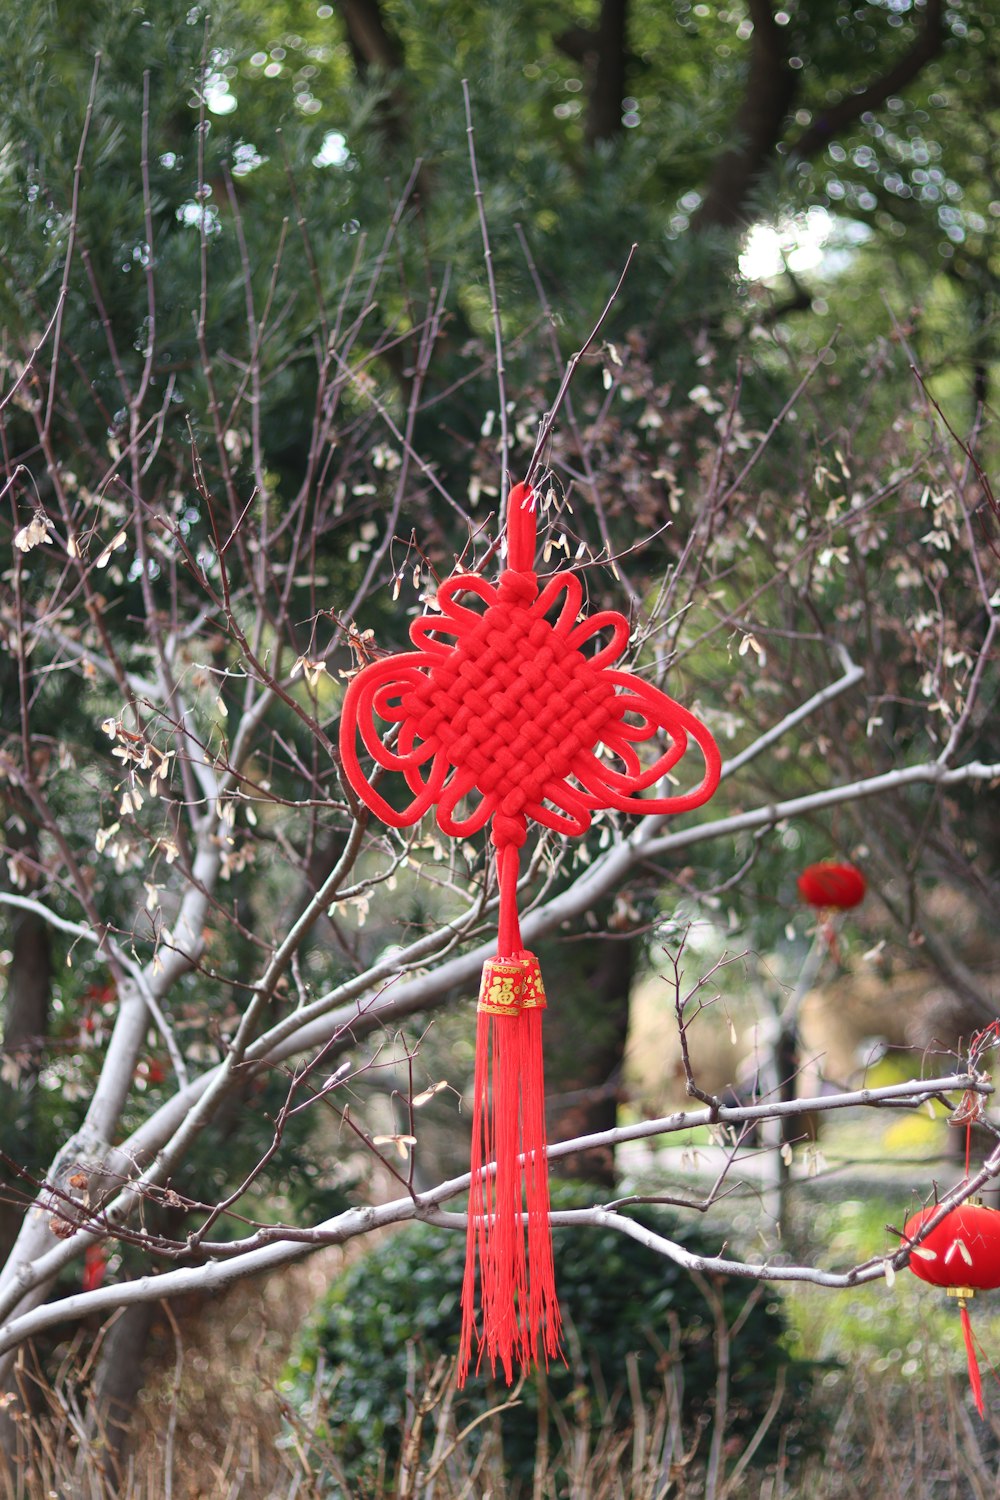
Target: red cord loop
x=508 y=830
x=520 y=529
x=517 y=588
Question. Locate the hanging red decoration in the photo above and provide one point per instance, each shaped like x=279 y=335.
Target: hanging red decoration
x=832 y=886
x=510 y=710
x=961 y=1254
x=95 y=1267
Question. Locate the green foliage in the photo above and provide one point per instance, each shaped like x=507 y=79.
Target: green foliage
x=398 y=1310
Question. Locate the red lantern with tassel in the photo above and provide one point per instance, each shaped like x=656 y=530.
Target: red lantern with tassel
x=509 y=711
x=961 y=1254
x=832 y=886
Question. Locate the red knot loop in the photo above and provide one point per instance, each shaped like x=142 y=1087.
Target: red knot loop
x=508 y=831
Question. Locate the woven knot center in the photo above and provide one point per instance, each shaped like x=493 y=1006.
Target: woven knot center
x=513 y=704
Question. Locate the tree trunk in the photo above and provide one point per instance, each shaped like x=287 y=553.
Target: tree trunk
x=607 y=88
x=770 y=89
x=601 y=52
x=117 y=1384
x=26 y=1019
x=588 y=981
x=25 y=1026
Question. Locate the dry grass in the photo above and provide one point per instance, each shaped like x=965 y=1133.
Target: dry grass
x=211 y=1424
x=208 y=1419
x=925 y=1447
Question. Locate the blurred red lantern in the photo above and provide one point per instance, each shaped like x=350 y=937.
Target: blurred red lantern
x=831 y=885
x=961 y=1254
x=94 y=1267
x=962 y=1251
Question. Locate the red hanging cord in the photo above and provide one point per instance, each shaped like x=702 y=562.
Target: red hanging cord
x=975 y=1380
x=544 y=1318
x=972 y=1362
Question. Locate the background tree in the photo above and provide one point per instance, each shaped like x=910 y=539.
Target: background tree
x=250 y=415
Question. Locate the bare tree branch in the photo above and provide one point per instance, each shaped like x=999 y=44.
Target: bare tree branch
x=830 y=122
x=770 y=91
x=280 y=1245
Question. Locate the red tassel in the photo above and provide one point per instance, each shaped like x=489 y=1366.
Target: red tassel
x=504 y=1271
x=970 y=1351
x=517 y=1292
x=543 y=1315
x=495 y=1243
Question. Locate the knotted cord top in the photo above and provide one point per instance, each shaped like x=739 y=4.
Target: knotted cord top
x=504 y=716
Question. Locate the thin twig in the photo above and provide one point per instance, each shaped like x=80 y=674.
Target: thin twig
x=549 y=420
x=494 y=303
x=74 y=223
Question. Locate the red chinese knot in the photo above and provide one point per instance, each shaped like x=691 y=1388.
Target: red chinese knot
x=510 y=710
x=503 y=711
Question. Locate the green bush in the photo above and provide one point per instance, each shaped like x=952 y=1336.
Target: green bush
x=401 y=1304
